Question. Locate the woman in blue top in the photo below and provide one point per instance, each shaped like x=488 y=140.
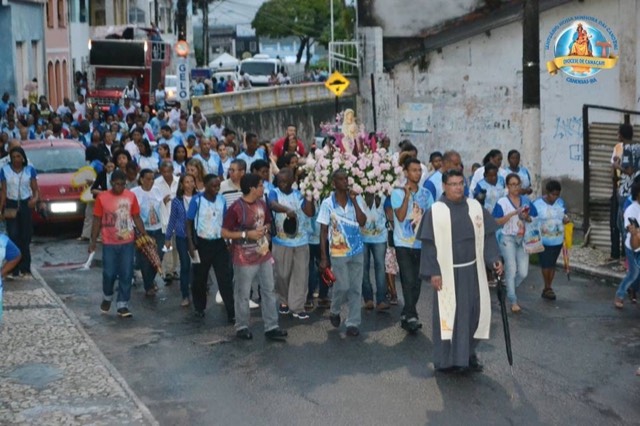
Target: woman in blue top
x=552 y=217
x=490 y=189
x=512 y=213
x=514 y=167
x=19 y=197
x=176 y=225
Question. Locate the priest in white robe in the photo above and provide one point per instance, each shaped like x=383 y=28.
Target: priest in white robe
x=458 y=245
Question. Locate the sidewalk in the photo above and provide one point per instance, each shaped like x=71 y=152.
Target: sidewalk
x=51 y=372
x=595 y=263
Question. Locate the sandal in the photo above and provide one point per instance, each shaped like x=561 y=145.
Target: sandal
x=515 y=308
x=618 y=303
x=548 y=294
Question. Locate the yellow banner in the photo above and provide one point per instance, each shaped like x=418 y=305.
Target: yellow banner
x=581 y=61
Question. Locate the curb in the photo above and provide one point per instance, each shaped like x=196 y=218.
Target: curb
x=595 y=272
x=146 y=413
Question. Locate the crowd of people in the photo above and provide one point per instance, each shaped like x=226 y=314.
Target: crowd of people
x=211 y=200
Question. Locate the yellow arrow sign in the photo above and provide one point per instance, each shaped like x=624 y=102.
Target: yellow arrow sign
x=337 y=83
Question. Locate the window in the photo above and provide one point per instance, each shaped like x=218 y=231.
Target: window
x=252 y=46
x=136 y=16
x=50 y=13
x=61 y=18
x=83 y=11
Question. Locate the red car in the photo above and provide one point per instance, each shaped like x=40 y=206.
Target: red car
x=56 y=160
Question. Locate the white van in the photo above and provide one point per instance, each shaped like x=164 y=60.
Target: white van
x=260 y=67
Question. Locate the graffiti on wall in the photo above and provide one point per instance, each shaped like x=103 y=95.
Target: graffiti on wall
x=568 y=128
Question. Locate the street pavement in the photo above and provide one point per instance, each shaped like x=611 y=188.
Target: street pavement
x=51 y=371
x=574 y=359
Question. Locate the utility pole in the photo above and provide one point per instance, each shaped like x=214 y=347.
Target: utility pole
x=205 y=32
x=331 y=45
x=155 y=14
x=181 y=20
x=531 y=92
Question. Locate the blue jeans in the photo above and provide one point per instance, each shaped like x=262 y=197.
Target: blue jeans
x=516 y=263
x=117 y=263
x=147 y=269
x=633 y=274
x=377 y=250
x=185 y=265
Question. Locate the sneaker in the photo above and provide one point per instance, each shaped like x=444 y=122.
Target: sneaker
x=253 y=305
x=382 y=306
x=105 y=306
x=199 y=314
x=301 y=315
x=276 y=334
x=244 y=334
x=393 y=300
x=368 y=305
x=27 y=276
x=308 y=305
x=324 y=303
x=151 y=292
x=219 y=298
x=284 y=310
x=352 y=331
x=185 y=302
x=124 y=313
x=335 y=320
x=410 y=326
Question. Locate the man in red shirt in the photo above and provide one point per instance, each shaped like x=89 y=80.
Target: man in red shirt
x=280 y=147
x=247 y=224
x=116 y=212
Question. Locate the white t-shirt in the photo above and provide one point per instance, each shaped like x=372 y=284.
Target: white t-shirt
x=632 y=211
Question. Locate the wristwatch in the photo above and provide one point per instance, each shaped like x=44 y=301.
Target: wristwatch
x=244 y=235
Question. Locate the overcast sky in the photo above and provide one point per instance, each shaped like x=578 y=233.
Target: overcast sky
x=233 y=12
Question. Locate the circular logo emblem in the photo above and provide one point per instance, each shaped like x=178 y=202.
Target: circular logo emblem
x=581 y=47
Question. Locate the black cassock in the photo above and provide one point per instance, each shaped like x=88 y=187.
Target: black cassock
x=456 y=352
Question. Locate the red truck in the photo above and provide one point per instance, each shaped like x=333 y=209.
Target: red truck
x=138 y=54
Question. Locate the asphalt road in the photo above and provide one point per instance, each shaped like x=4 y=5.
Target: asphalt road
x=574 y=360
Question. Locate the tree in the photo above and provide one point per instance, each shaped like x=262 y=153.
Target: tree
x=309 y=20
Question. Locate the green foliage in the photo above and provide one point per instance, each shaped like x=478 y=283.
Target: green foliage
x=307 y=19
x=199 y=53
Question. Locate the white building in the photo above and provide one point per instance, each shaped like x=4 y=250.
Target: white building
x=449 y=76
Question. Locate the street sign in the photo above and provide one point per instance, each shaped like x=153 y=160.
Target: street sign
x=183 y=79
x=337 y=83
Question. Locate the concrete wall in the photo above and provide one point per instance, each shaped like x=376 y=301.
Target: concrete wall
x=24 y=22
x=272 y=124
x=58 y=56
x=469 y=95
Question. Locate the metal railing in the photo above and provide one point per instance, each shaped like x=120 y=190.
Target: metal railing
x=344 y=56
x=262 y=98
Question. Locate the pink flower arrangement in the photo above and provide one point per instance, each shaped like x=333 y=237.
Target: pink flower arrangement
x=367 y=173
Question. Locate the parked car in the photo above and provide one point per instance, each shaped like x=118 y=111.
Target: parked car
x=171 y=89
x=56 y=160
